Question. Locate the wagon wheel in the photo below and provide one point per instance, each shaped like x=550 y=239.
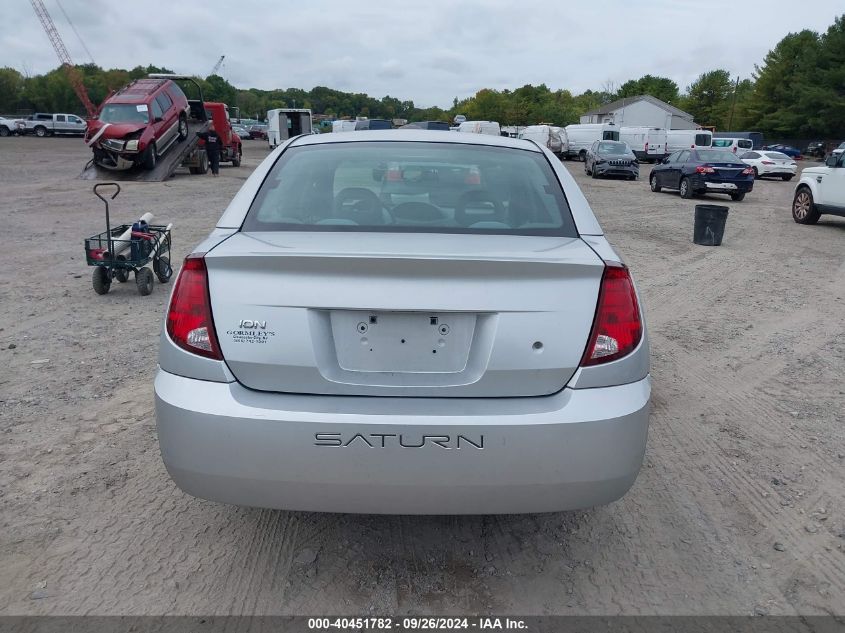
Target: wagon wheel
x=121 y=274
x=101 y=280
x=162 y=268
x=144 y=281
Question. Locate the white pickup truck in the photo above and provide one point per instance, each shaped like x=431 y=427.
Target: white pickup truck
x=10 y=126
x=821 y=190
x=50 y=124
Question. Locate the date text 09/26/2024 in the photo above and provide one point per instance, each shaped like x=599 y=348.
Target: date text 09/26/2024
x=416 y=624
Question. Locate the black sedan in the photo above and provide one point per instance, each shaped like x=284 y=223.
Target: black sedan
x=611 y=158
x=698 y=171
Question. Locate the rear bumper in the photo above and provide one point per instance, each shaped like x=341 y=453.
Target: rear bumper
x=699 y=183
x=779 y=171
x=574 y=449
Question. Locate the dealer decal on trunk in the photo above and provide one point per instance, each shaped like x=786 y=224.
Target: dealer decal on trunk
x=251 y=331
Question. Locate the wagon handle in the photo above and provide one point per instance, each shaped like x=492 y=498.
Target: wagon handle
x=106 y=184
x=108 y=220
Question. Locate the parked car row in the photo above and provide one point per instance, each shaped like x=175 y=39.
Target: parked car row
x=42 y=124
x=821 y=149
x=698 y=171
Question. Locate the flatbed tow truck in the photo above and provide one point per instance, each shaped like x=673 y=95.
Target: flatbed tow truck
x=185 y=152
x=188 y=153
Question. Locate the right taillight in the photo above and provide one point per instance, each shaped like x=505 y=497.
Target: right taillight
x=189 y=321
x=617 y=328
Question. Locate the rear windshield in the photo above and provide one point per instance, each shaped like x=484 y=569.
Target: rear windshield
x=778 y=156
x=716 y=156
x=703 y=140
x=124 y=113
x=722 y=142
x=403 y=187
x=610 y=135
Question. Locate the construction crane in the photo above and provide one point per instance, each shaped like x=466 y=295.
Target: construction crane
x=75 y=32
x=217 y=65
x=64 y=57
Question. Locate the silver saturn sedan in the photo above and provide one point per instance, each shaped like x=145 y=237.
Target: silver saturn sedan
x=405 y=321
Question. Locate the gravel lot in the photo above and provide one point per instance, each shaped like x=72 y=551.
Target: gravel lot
x=738 y=510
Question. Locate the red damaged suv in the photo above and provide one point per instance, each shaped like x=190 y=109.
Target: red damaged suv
x=138 y=124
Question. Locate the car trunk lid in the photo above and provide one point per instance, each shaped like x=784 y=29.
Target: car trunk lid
x=435 y=315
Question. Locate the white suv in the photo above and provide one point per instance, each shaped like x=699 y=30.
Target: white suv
x=820 y=190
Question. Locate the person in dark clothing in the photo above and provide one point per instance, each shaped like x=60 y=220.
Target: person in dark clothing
x=212 y=147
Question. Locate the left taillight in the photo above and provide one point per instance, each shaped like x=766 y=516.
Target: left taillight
x=189 y=321
x=617 y=328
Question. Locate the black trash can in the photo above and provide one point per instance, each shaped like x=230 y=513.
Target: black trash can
x=709 y=224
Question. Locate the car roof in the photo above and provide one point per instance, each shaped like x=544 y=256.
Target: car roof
x=138 y=90
x=416 y=135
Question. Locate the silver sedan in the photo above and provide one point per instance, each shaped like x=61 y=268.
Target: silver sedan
x=405 y=322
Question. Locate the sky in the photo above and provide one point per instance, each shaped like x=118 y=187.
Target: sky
x=429 y=52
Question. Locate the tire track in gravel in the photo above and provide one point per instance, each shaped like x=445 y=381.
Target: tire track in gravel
x=755 y=406
x=789 y=532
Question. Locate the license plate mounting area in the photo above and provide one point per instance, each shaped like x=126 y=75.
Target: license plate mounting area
x=402 y=342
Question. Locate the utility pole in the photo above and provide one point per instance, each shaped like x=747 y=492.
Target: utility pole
x=733 y=105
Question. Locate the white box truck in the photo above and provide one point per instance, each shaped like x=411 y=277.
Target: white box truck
x=285 y=123
x=582 y=135
x=677 y=140
x=647 y=143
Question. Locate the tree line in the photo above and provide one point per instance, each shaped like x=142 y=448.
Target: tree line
x=798 y=90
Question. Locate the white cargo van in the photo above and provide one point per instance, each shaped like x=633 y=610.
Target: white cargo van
x=285 y=123
x=736 y=145
x=481 y=127
x=677 y=140
x=647 y=143
x=582 y=135
x=547 y=136
x=343 y=126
